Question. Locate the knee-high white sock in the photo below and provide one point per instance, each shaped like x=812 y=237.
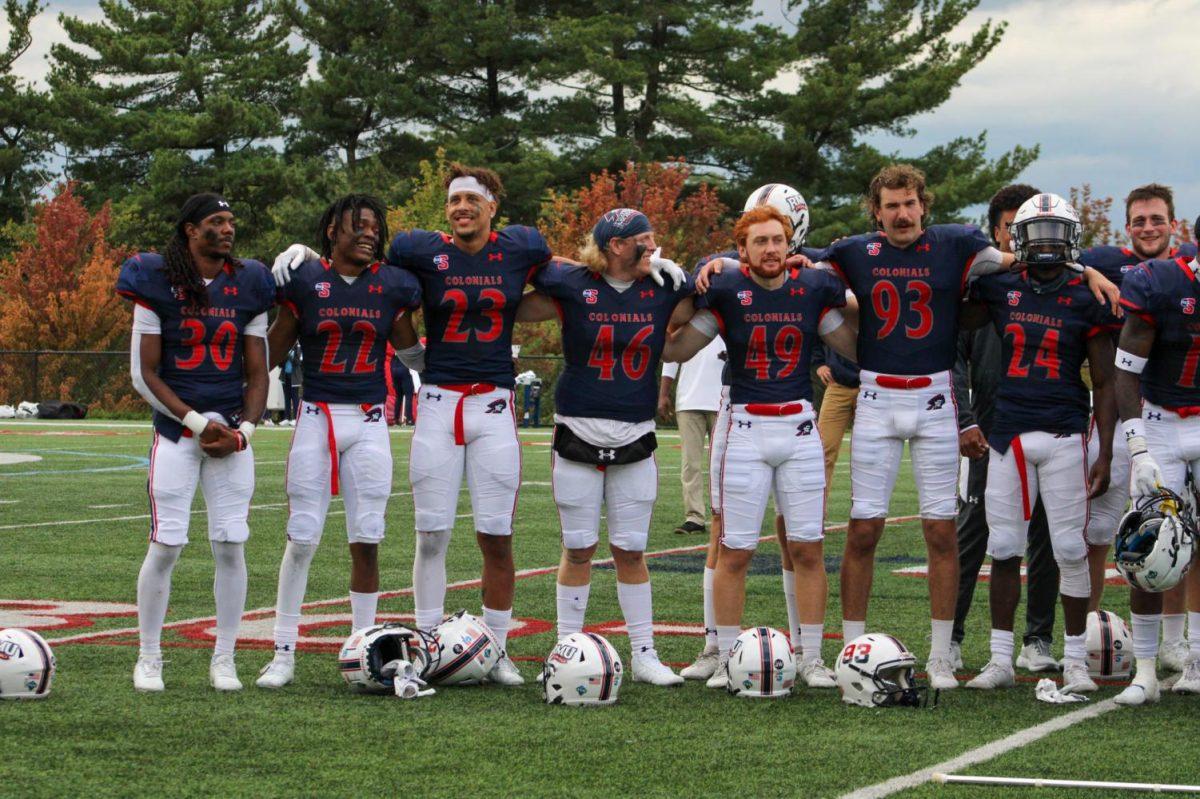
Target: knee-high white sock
x=572 y=607
x=1145 y=635
x=429 y=578
x=1193 y=620
x=939 y=645
x=498 y=621
x=362 y=609
x=789 y=597
x=153 y=594
x=852 y=629
x=229 y=590
x=710 y=615
x=810 y=641
x=638 y=609
x=289 y=596
x=1172 y=627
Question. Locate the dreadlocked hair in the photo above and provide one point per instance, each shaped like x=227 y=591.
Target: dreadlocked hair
x=355 y=204
x=182 y=273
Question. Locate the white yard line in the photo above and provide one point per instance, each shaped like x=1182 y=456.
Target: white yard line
x=523 y=573
x=983 y=753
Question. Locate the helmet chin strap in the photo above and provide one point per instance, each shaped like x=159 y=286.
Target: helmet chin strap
x=1048 y=286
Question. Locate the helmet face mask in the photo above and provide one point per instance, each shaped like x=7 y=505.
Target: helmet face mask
x=1046 y=232
x=1155 y=542
x=876 y=670
x=367 y=658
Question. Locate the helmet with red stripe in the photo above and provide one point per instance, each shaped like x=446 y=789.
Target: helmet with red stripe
x=761 y=665
x=876 y=670
x=370 y=657
x=583 y=669
x=467 y=650
x=1109 y=646
x=1155 y=541
x=26 y=665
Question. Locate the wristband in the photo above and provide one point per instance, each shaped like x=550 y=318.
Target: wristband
x=1130 y=362
x=194 y=422
x=247 y=430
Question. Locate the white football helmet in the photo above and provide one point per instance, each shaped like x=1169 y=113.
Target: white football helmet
x=876 y=670
x=1155 y=542
x=367 y=658
x=1109 y=646
x=467 y=648
x=1046 y=231
x=761 y=665
x=583 y=669
x=788 y=202
x=26 y=665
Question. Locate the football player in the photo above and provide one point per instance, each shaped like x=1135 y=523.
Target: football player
x=344 y=308
x=792 y=205
x=1038 y=441
x=1150 y=224
x=198 y=356
x=1159 y=401
x=614 y=325
x=471 y=280
x=770 y=317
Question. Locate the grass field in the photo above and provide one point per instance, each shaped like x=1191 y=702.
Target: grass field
x=73 y=532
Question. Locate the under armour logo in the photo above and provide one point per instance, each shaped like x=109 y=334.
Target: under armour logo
x=796 y=292
x=374 y=415
x=647 y=293
x=374 y=289
x=1126 y=362
x=1064 y=300
x=606 y=454
x=497 y=406
x=230 y=290
x=495 y=256
x=429 y=395
x=870 y=395
x=936 y=402
x=804 y=428
x=1155 y=415
x=743 y=424
x=312 y=409
x=926 y=247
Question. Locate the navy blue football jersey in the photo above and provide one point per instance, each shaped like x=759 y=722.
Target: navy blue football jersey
x=1043 y=346
x=1166 y=295
x=344 y=328
x=470 y=301
x=201 y=347
x=908 y=299
x=1116 y=262
x=612 y=341
x=770 y=333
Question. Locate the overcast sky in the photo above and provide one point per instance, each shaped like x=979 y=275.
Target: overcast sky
x=1110 y=89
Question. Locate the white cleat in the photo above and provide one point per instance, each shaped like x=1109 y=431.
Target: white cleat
x=1076 y=679
x=720 y=675
x=1189 y=681
x=1035 y=656
x=1139 y=693
x=223 y=674
x=147 y=675
x=648 y=668
x=276 y=674
x=813 y=673
x=704 y=666
x=940 y=672
x=996 y=674
x=1173 y=655
x=505 y=672
x=956 y=655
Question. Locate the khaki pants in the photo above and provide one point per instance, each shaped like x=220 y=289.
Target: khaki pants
x=693 y=427
x=837 y=411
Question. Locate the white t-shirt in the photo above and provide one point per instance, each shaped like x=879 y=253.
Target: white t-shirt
x=698 y=382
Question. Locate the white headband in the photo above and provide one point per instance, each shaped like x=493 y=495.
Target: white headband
x=469 y=184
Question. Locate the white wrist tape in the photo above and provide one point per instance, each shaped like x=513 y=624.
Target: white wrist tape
x=247 y=429
x=1130 y=362
x=1135 y=437
x=194 y=422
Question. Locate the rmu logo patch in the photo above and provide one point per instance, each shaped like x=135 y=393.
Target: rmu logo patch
x=442 y=262
x=10 y=650
x=936 y=402
x=322 y=289
x=497 y=406
x=1188 y=305
x=874 y=248
x=1014 y=297
x=745 y=297
x=591 y=296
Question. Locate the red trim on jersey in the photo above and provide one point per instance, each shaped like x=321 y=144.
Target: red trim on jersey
x=466 y=390
x=287 y=463
x=150 y=490
x=1187 y=270
x=1087 y=502
x=558 y=308
x=897 y=381
x=374 y=268
x=724 y=459
x=512 y=408
x=793 y=273
x=446 y=237
x=291 y=306
x=1019 y=453
x=962 y=284
x=326 y=264
x=1138 y=311
x=1096 y=330
x=533 y=270
x=720 y=320
x=493 y=237
x=1127 y=251
x=334 y=487
x=228 y=267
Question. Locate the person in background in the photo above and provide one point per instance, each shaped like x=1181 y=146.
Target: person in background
x=840 y=378
x=291 y=379
x=697 y=400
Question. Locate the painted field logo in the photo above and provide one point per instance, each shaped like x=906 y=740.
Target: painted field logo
x=10 y=650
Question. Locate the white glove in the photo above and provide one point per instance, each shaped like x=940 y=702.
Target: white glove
x=1047 y=691
x=289 y=260
x=659 y=266
x=1145 y=478
x=405 y=680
